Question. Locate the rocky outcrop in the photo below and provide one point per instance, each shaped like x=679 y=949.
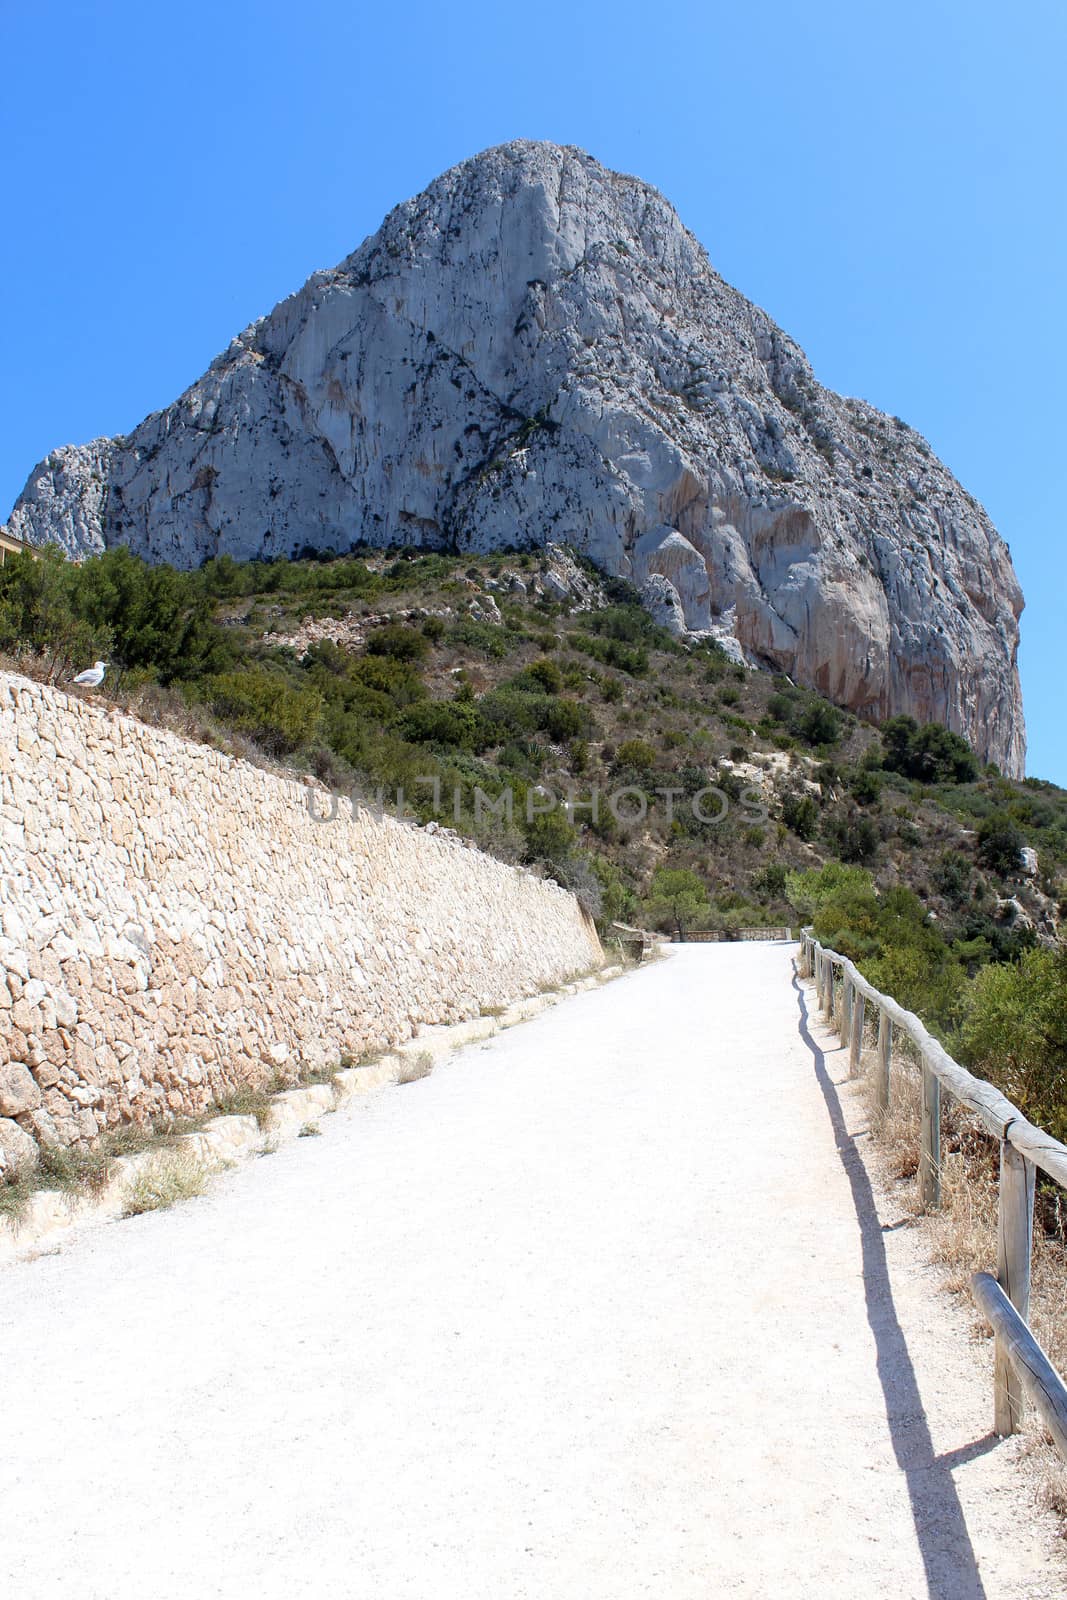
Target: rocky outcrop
x=535 y=349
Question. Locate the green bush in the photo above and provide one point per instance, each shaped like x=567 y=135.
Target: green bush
x=263 y=706
x=545 y=675
x=618 y=903
x=769 y=882
x=951 y=877
x=486 y=637
x=397 y=642
x=566 y=719
x=636 y=754
x=865 y=787
x=1014 y=1032
x=154 y=620
x=677 y=899
x=928 y=754
x=810 y=890
x=1000 y=843
x=896 y=947
x=852 y=837
x=800 y=812
x=443 y=722
x=819 y=723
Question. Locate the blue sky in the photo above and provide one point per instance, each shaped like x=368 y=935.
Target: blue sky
x=887 y=181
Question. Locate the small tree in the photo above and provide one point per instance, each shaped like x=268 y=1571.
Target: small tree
x=1014 y=1033
x=677 y=899
x=1000 y=844
x=800 y=812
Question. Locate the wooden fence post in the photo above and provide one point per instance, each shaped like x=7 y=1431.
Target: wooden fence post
x=930 y=1147
x=885 y=1058
x=1015 y=1236
x=855 y=1052
x=846 y=1010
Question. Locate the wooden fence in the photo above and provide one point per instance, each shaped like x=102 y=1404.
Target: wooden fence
x=725 y=936
x=1021 y=1366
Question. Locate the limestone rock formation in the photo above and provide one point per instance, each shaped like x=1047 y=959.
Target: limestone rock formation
x=536 y=350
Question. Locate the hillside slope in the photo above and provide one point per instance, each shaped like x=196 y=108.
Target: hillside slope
x=536 y=681
x=536 y=349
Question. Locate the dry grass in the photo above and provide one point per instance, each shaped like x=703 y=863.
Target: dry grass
x=1048 y=1292
x=169 y=1177
x=76 y=1171
x=962 y=1234
x=897 y=1128
x=414 y=1067
x=244 y=1102
x=15 y=1195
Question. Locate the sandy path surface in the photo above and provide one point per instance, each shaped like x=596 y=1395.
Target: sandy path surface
x=601 y=1309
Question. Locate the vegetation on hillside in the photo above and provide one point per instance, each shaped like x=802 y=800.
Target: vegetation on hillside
x=463 y=689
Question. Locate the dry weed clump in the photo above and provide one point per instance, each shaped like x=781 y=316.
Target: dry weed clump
x=414 y=1067
x=170 y=1176
x=962 y=1234
x=896 y=1128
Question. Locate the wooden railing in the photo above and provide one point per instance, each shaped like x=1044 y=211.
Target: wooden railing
x=726 y=935
x=1020 y=1365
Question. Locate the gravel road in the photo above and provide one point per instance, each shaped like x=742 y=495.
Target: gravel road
x=603 y=1308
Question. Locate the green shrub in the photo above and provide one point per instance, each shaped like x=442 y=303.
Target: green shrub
x=852 y=837
x=263 y=706
x=896 y=947
x=545 y=675
x=951 y=877
x=443 y=722
x=677 y=899
x=865 y=787
x=928 y=754
x=1014 y=1032
x=810 y=890
x=800 y=812
x=154 y=620
x=397 y=642
x=566 y=719
x=637 y=754
x=486 y=637
x=1000 y=844
x=397 y=681
x=618 y=903
x=819 y=723
x=770 y=881
x=550 y=838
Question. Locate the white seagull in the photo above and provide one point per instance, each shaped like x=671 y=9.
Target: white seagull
x=94 y=676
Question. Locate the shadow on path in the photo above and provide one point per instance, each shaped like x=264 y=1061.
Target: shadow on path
x=940 y=1526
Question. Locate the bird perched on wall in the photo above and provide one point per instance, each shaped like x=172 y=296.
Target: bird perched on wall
x=93 y=677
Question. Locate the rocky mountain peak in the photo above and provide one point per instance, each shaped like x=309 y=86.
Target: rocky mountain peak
x=535 y=350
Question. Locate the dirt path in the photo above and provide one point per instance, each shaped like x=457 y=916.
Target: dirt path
x=601 y=1309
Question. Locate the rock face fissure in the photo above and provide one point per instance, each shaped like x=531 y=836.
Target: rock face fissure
x=175 y=925
x=535 y=349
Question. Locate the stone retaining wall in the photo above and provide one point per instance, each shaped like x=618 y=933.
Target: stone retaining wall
x=175 y=925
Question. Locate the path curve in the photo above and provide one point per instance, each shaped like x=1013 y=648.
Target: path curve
x=602 y=1308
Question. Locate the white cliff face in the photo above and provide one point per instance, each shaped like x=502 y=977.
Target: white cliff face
x=536 y=350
